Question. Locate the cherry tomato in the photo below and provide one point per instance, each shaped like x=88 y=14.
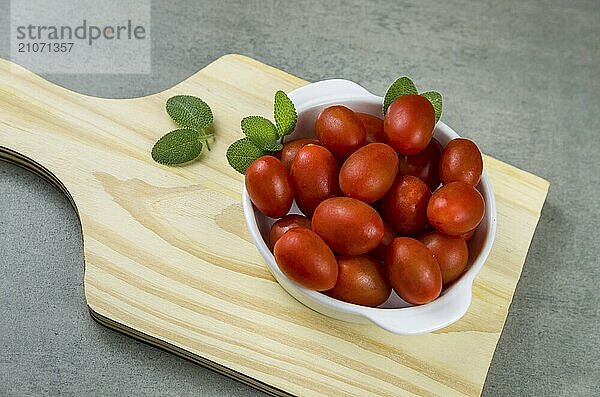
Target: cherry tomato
x=408 y=124
x=451 y=254
x=413 y=271
x=291 y=148
x=284 y=224
x=455 y=208
x=347 y=225
x=304 y=257
x=381 y=250
x=373 y=127
x=461 y=162
x=369 y=172
x=269 y=186
x=468 y=235
x=424 y=165
x=360 y=281
x=340 y=130
x=404 y=206
x=314 y=177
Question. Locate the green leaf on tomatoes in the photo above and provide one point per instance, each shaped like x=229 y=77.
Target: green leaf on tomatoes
x=436 y=100
x=262 y=132
x=242 y=153
x=402 y=86
x=285 y=114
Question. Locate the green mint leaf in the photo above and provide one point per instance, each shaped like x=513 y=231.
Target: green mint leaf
x=402 y=86
x=189 y=111
x=436 y=100
x=242 y=153
x=273 y=146
x=177 y=147
x=285 y=114
x=262 y=132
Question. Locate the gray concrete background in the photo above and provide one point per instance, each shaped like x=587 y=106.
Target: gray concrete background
x=519 y=77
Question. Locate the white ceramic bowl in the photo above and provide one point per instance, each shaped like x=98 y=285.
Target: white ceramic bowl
x=395 y=315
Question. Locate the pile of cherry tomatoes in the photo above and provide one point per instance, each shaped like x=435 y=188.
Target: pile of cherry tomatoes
x=385 y=206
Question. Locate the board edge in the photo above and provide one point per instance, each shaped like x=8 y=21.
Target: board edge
x=185 y=354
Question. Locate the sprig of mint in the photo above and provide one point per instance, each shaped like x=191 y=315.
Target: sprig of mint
x=262 y=136
x=405 y=86
x=436 y=100
x=242 y=153
x=189 y=112
x=177 y=147
x=284 y=113
x=183 y=145
x=402 y=86
x=261 y=132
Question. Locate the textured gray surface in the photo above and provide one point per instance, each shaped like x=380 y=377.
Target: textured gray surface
x=519 y=77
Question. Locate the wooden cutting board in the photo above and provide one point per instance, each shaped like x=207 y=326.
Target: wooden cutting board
x=168 y=258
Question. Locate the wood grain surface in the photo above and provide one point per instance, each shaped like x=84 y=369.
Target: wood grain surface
x=168 y=258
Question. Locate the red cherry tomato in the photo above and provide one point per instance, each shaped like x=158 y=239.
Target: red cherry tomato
x=461 y=162
x=369 y=172
x=451 y=253
x=284 y=224
x=455 y=208
x=404 y=206
x=340 y=130
x=314 y=175
x=381 y=250
x=291 y=148
x=347 y=225
x=424 y=165
x=269 y=186
x=373 y=127
x=413 y=271
x=360 y=281
x=304 y=257
x=468 y=235
x=408 y=124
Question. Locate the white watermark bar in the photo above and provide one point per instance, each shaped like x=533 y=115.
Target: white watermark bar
x=81 y=36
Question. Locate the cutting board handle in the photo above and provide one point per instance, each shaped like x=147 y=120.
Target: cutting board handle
x=69 y=138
